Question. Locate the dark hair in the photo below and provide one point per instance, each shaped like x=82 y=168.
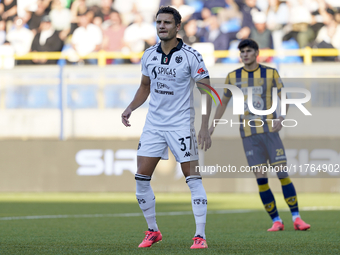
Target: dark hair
x=170 y=10
x=248 y=43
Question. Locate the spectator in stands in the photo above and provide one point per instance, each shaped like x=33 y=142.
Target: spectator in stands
x=261 y=34
x=248 y=8
x=164 y=3
x=300 y=30
x=34 y=19
x=87 y=38
x=277 y=18
x=78 y=7
x=185 y=10
x=25 y=7
x=106 y=9
x=215 y=35
x=20 y=37
x=329 y=35
x=214 y=6
x=47 y=39
x=113 y=36
x=147 y=8
x=191 y=30
x=139 y=36
x=8 y=10
x=230 y=17
x=60 y=16
x=128 y=9
x=321 y=16
x=97 y=16
x=2 y=32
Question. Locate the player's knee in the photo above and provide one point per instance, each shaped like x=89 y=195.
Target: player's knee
x=282 y=171
x=259 y=172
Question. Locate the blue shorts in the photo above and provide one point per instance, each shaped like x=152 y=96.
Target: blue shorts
x=261 y=148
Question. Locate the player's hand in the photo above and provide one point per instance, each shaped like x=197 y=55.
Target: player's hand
x=277 y=125
x=211 y=130
x=204 y=139
x=125 y=117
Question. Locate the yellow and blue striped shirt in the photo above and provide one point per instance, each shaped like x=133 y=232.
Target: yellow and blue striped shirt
x=263 y=79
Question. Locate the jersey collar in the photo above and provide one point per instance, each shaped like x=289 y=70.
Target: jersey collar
x=258 y=65
x=177 y=48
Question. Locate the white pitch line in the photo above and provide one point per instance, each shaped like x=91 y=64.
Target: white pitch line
x=39 y=217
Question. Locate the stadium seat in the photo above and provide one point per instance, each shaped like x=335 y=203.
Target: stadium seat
x=82 y=96
x=45 y=96
x=288 y=45
x=119 y=96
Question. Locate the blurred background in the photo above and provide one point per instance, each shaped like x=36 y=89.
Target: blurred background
x=69 y=69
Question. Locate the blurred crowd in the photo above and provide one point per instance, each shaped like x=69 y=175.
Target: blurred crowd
x=79 y=27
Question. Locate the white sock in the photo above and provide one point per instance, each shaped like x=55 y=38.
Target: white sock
x=199 y=203
x=146 y=200
x=295 y=217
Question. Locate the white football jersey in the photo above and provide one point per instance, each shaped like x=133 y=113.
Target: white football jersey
x=173 y=79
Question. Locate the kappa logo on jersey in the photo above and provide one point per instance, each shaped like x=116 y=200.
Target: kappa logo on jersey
x=163 y=71
x=201 y=71
x=154 y=58
x=162 y=85
x=178 y=59
x=139 y=145
x=187 y=154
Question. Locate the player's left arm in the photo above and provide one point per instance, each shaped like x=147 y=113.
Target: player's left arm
x=203 y=136
x=278 y=83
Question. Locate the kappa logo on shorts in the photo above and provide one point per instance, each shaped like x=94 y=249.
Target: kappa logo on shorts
x=139 y=145
x=187 y=154
x=249 y=153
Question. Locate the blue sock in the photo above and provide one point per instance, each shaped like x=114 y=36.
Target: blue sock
x=289 y=194
x=268 y=199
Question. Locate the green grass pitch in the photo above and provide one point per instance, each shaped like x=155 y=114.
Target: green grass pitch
x=111 y=223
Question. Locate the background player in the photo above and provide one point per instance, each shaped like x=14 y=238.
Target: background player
x=169 y=72
x=262 y=144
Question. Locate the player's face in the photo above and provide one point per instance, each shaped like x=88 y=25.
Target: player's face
x=248 y=55
x=166 y=27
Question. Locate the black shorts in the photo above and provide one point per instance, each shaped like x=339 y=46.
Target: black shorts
x=261 y=148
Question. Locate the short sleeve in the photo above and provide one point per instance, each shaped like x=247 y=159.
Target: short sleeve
x=227 y=92
x=198 y=69
x=144 y=68
x=277 y=81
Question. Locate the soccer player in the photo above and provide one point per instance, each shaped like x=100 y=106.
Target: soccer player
x=262 y=143
x=169 y=72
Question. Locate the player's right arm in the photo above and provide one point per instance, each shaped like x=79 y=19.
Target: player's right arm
x=140 y=97
x=221 y=108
